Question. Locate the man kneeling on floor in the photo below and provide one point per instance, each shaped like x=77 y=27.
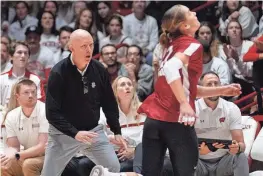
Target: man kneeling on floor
x=219 y=119
x=26 y=126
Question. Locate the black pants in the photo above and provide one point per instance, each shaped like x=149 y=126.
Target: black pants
x=181 y=142
x=257 y=73
x=78 y=166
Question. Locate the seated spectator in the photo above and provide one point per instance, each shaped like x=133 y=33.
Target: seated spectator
x=255 y=54
x=208 y=32
x=142 y=29
x=20 y=54
x=12 y=104
x=52 y=6
x=219 y=119
x=5 y=61
x=157 y=59
x=131 y=122
x=131 y=127
x=21 y=22
x=103 y=12
x=23 y=123
x=77 y=7
x=115 y=25
x=8 y=14
x=41 y=58
x=140 y=73
x=210 y=63
x=63 y=52
x=6 y=40
x=109 y=59
x=233 y=54
x=86 y=21
x=233 y=10
x=49 y=34
x=261 y=25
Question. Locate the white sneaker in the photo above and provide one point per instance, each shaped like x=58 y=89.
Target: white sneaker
x=99 y=170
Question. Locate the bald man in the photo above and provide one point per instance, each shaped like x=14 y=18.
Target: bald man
x=78 y=87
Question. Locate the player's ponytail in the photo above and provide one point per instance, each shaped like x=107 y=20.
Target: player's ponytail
x=164 y=39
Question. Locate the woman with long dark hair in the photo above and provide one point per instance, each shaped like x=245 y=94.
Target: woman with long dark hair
x=206 y=35
x=49 y=34
x=103 y=14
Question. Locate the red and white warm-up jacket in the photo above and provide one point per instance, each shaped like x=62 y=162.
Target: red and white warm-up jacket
x=162 y=104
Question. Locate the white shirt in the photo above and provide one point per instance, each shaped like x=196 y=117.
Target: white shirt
x=217 y=124
x=247 y=21
x=81 y=72
x=50 y=41
x=121 y=39
x=240 y=69
x=220 y=67
x=8 y=79
x=2 y=131
x=142 y=32
x=261 y=25
x=60 y=22
x=59 y=55
x=6 y=67
x=16 y=32
x=39 y=62
x=27 y=129
x=257 y=152
x=133 y=134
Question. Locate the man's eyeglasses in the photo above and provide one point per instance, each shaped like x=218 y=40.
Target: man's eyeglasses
x=85 y=85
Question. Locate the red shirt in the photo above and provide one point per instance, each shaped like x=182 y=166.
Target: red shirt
x=162 y=104
x=253 y=53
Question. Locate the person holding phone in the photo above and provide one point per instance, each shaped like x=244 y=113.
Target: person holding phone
x=219 y=119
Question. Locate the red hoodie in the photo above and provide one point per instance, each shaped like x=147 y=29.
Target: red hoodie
x=253 y=53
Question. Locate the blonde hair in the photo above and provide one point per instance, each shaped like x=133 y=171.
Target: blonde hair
x=171 y=23
x=13 y=103
x=135 y=102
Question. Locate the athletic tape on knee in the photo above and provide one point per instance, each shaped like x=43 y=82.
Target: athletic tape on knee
x=171 y=69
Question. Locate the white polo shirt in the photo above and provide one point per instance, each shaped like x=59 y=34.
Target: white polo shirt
x=27 y=129
x=217 y=124
x=8 y=79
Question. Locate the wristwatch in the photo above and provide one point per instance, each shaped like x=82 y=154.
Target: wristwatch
x=17 y=155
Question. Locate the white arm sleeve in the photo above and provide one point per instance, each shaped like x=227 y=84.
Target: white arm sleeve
x=171 y=69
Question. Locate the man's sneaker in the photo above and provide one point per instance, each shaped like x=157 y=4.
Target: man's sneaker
x=97 y=171
x=101 y=171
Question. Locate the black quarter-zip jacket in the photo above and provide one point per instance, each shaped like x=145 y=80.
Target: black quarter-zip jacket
x=69 y=109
